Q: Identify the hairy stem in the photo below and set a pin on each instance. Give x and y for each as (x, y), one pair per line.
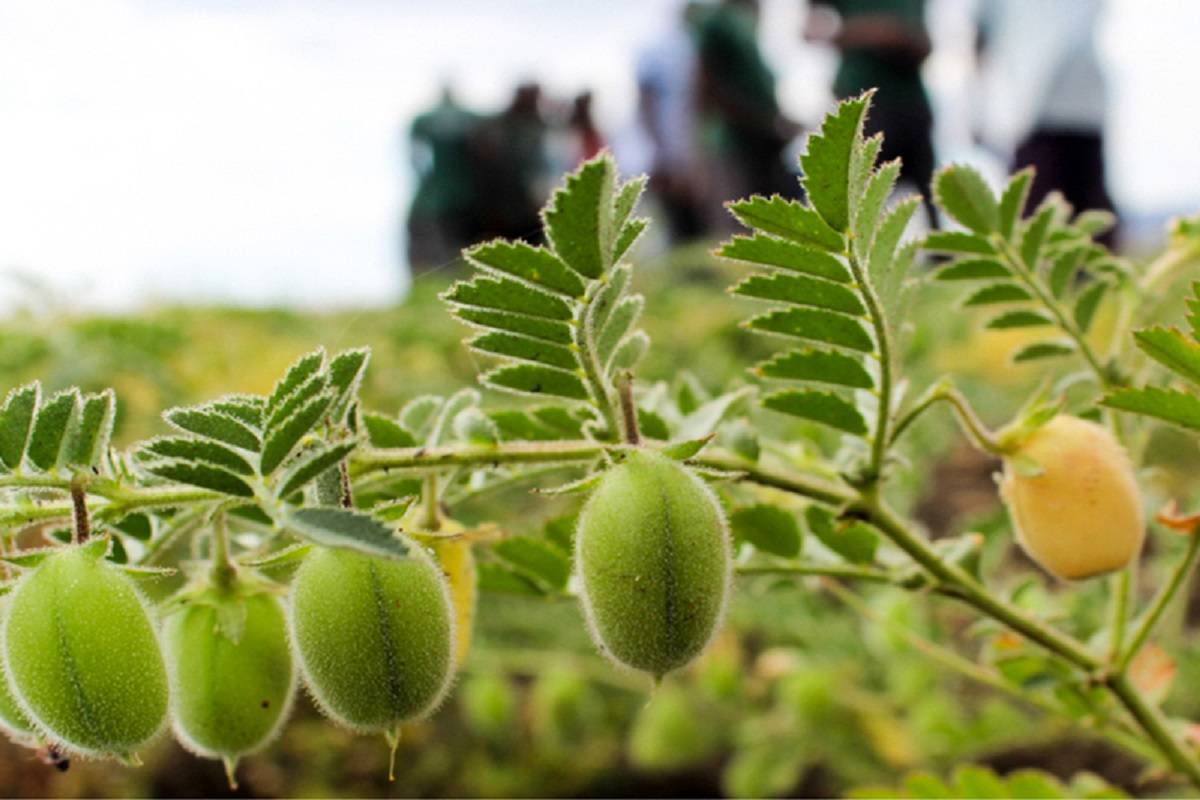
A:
(1161, 602)
(968, 420)
(628, 410)
(1016, 264)
(82, 528)
(223, 569)
(1151, 720)
(881, 438)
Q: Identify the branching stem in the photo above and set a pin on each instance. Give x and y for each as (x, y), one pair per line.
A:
(1161, 602)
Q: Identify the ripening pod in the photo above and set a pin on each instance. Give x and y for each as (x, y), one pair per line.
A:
(652, 550)
(12, 719)
(232, 673)
(375, 636)
(82, 656)
(458, 564)
(1074, 500)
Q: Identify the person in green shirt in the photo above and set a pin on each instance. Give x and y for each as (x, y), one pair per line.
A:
(882, 44)
(742, 125)
(441, 218)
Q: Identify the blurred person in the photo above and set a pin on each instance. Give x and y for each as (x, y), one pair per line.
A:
(512, 166)
(667, 72)
(587, 141)
(1048, 95)
(443, 217)
(744, 130)
(882, 45)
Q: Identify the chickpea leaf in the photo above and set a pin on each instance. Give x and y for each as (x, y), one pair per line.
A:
(559, 317)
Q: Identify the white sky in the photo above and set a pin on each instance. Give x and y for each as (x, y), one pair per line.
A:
(251, 151)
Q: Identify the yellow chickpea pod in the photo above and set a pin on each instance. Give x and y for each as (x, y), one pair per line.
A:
(1079, 513)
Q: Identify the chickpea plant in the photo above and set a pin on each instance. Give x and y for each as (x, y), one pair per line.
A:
(358, 505)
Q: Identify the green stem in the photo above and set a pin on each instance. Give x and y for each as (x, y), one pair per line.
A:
(1151, 720)
(1119, 586)
(1161, 602)
(990, 678)
(1017, 265)
(18, 481)
(968, 420)
(844, 571)
(592, 370)
(223, 569)
(881, 438)
(969, 590)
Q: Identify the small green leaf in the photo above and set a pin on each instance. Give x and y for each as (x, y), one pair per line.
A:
(682, 451)
(869, 209)
(537, 380)
(1063, 270)
(1088, 303)
(1020, 318)
(973, 269)
(703, 420)
(887, 239)
(420, 414)
(769, 528)
(826, 161)
(386, 432)
(299, 372)
(535, 264)
(629, 352)
(977, 782)
(350, 530)
(203, 475)
(629, 234)
(507, 294)
(346, 371)
(827, 409)
(1168, 405)
(244, 407)
(310, 465)
(627, 197)
(1169, 347)
(188, 449)
(772, 252)
(16, 421)
(1012, 201)
(1039, 350)
(962, 242)
(297, 398)
(800, 290)
(1033, 784)
(284, 557)
(963, 194)
(997, 293)
(579, 216)
(853, 541)
(501, 579)
(1095, 221)
(280, 442)
(815, 325)
(1034, 235)
(548, 330)
(820, 366)
(51, 427)
(212, 424)
(624, 317)
(535, 559)
(787, 219)
(473, 426)
(89, 439)
(522, 348)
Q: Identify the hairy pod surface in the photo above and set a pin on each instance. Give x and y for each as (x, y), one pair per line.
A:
(83, 659)
(12, 719)
(653, 553)
(232, 687)
(1081, 514)
(457, 561)
(375, 637)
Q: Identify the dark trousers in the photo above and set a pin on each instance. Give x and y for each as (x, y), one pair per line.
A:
(1072, 163)
(907, 135)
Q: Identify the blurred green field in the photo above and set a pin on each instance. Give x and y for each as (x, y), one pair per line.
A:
(801, 696)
